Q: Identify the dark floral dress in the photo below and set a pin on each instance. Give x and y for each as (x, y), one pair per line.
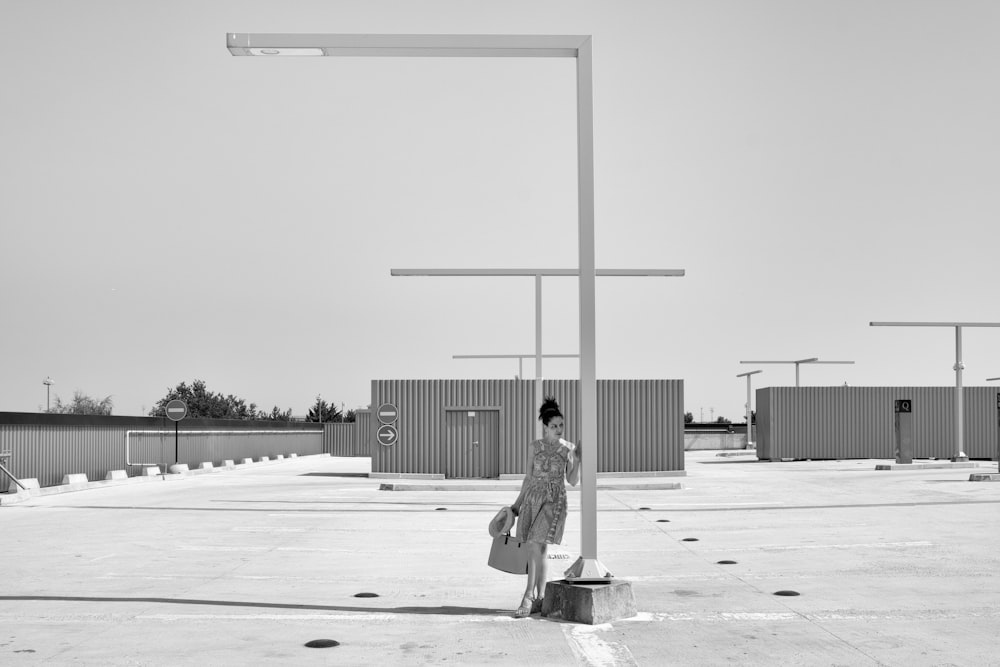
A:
(541, 508)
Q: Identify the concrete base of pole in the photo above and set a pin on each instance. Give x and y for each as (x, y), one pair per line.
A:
(588, 570)
(589, 603)
(962, 456)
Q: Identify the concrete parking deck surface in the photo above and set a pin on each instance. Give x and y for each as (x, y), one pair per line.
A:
(244, 567)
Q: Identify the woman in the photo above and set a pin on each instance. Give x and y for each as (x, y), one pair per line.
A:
(541, 506)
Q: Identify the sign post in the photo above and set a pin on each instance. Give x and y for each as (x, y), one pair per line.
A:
(176, 411)
(903, 426)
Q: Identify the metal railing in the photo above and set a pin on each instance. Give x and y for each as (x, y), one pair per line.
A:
(128, 435)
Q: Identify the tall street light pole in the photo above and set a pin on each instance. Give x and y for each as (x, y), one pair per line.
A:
(798, 362)
(579, 47)
(48, 385)
(749, 411)
(959, 453)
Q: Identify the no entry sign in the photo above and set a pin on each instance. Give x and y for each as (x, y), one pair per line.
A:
(387, 413)
(176, 410)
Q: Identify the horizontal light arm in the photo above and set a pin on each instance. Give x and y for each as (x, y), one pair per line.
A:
(514, 356)
(651, 273)
(504, 46)
(934, 324)
(743, 375)
(796, 361)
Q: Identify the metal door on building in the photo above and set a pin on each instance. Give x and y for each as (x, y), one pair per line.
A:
(472, 443)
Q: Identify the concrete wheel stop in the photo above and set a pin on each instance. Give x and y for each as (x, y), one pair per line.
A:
(591, 602)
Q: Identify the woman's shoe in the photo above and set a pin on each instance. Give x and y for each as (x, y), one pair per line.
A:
(536, 605)
(525, 609)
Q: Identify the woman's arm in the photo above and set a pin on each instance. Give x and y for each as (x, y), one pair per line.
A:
(573, 465)
(524, 484)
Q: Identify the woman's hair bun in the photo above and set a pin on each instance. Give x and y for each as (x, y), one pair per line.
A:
(549, 409)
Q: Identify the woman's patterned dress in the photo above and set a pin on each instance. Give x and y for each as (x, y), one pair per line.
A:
(541, 516)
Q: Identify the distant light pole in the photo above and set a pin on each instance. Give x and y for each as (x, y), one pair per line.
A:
(958, 367)
(811, 360)
(749, 411)
(537, 274)
(48, 384)
(319, 408)
(520, 358)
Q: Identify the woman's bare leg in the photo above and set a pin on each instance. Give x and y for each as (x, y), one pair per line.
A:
(533, 566)
(541, 572)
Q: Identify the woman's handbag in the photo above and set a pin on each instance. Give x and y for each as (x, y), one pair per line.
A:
(508, 554)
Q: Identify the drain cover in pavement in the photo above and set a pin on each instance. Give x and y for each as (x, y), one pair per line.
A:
(663, 521)
(322, 643)
(690, 539)
(440, 509)
(787, 593)
(643, 508)
(726, 562)
(366, 595)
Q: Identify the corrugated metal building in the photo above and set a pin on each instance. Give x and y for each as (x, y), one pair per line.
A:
(858, 422)
(480, 428)
(46, 447)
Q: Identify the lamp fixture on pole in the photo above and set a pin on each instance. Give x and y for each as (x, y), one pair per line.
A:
(798, 362)
(578, 47)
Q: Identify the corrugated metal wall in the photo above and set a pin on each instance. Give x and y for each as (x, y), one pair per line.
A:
(640, 422)
(47, 447)
(338, 438)
(194, 448)
(348, 438)
(857, 422)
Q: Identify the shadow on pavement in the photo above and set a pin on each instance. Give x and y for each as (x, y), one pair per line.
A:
(443, 610)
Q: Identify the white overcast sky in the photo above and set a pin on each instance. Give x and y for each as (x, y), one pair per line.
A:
(170, 212)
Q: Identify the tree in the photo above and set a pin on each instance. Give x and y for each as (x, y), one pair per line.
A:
(203, 403)
(277, 415)
(82, 405)
(321, 411)
(722, 420)
(688, 417)
(329, 412)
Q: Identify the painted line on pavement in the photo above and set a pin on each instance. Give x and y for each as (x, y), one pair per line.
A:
(265, 529)
(724, 504)
(796, 547)
(840, 615)
(589, 649)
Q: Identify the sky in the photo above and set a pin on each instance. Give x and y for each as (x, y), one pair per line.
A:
(169, 212)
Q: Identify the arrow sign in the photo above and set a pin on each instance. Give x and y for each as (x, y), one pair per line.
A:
(387, 435)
